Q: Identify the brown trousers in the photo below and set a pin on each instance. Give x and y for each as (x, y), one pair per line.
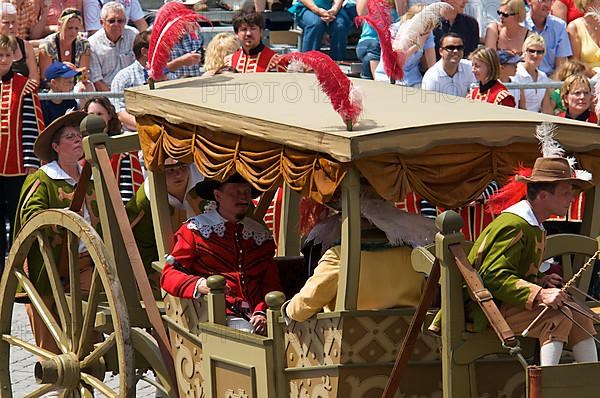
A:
(553, 326)
(43, 337)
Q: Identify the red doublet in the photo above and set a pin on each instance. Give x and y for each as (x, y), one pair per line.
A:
(12, 93)
(137, 176)
(259, 59)
(497, 94)
(242, 252)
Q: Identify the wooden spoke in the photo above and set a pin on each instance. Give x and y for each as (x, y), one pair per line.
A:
(84, 392)
(99, 351)
(38, 392)
(99, 385)
(59, 336)
(58, 291)
(32, 348)
(74, 287)
(90, 315)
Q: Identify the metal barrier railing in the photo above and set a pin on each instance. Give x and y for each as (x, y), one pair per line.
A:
(114, 94)
(85, 95)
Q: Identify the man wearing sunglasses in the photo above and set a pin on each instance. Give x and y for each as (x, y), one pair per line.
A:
(554, 32)
(92, 10)
(112, 46)
(451, 74)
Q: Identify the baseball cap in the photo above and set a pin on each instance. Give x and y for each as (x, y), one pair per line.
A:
(506, 57)
(59, 69)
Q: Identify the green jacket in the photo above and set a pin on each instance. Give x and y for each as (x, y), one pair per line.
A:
(507, 254)
(48, 189)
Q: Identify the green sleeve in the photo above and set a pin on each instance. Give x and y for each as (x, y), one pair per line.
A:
(505, 265)
(34, 201)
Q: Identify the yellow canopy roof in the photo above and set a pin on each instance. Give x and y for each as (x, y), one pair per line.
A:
(274, 126)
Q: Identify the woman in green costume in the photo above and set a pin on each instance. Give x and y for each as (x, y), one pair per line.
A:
(60, 148)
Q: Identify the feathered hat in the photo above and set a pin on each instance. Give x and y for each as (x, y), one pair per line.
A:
(552, 167)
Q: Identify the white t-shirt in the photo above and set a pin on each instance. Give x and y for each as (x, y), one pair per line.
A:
(92, 9)
(533, 96)
(436, 79)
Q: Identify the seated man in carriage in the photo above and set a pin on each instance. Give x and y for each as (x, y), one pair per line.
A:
(184, 203)
(387, 278)
(508, 255)
(226, 242)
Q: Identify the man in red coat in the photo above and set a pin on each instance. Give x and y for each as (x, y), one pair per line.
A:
(254, 56)
(225, 242)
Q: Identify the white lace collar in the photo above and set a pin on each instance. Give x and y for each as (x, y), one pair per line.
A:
(212, 222)
(55, 172)
(523, 209)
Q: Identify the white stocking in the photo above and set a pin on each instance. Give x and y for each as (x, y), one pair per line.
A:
(585, 351)
(550, 353)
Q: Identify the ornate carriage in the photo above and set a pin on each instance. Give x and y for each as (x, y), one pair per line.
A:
(278, 131)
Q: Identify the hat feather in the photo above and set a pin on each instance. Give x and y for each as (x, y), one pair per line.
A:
(545, 133)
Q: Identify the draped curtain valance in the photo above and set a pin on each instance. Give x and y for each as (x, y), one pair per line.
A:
(219, 155)
(448, 176)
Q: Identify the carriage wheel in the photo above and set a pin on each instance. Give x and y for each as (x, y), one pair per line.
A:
(79, 369)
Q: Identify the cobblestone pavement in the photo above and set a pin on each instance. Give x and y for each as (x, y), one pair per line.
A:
(21, 362)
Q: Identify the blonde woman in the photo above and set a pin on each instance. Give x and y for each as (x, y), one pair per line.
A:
(576, 93)
(509, 34)
(567, 69)
(585, 37)
(538, 99)
(220, 46)
(65, 45)
(486, 68)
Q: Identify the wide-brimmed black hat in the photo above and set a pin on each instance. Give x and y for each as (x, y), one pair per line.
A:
(205, 189)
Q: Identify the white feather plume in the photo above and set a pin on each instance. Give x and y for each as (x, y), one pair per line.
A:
(583, 175)
(545, 133)
(411, 31)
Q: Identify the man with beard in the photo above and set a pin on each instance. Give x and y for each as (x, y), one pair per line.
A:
(451, 74)
(254, 56)
(226, 242)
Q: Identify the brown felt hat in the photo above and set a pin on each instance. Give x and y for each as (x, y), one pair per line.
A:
(554, 170)
(43, 144)
(205, 189)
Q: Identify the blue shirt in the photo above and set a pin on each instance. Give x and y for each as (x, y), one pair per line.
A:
(556, 40)
(412, 74)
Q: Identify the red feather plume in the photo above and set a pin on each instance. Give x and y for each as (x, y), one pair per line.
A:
(511, 193)
(311, 213)
(344, 97)
(173, 21)
(380, 18)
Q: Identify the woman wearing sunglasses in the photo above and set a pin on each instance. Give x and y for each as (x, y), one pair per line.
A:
(538, 99)
(65, 45)
(509, 34)
(584, 35)
(486, 68)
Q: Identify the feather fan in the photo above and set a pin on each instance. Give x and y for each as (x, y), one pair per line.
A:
(421, 24)
(173, 21)
(510, 194)
(380, 19)
(344, 96)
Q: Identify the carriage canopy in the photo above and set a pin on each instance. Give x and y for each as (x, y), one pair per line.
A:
(275, 127)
